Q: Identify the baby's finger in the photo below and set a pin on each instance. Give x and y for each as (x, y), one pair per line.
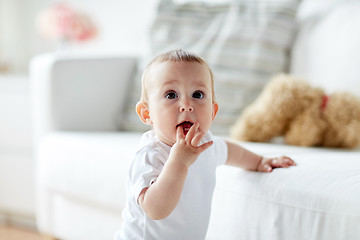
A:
(277, 162)
(205, 146)
(281, 162)
(265, 168)
(285, 161)
(196, 140)
(193, 129)
(179, 133)
(289, 161)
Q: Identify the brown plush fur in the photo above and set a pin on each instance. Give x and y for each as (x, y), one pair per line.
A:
(292, 108)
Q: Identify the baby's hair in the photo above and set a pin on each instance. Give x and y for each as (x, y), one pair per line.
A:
(177, 55)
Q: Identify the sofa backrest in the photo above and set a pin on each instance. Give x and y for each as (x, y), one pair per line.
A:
(79, 93)
(327, 50)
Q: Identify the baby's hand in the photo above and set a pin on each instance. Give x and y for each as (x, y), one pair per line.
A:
(186, 148)
(268, 164)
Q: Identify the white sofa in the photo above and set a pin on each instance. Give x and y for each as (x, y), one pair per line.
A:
(82, 156)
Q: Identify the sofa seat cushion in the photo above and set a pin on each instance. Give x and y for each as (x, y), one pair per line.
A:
(87, 166)
(317, 199)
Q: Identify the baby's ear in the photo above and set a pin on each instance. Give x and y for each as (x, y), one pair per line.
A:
(143, 112)
(215, 110)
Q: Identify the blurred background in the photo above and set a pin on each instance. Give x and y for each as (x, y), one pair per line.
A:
(245, 42)
(120, 28)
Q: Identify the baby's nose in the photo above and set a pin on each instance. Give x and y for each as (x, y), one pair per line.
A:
(185, 105)
(187, 108)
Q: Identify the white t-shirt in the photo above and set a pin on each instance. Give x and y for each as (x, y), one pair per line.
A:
(190, 219)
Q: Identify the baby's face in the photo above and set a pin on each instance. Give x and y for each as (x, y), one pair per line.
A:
(179, 95)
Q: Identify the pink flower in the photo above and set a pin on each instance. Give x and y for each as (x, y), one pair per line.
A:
(61, 22)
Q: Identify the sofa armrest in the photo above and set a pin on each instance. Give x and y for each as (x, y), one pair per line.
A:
(79, 93)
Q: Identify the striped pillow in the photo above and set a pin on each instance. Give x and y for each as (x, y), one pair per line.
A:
(245, 42)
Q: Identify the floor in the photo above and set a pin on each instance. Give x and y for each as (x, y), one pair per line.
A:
(16, 233)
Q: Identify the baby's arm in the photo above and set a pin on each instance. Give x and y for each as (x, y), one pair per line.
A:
(160, 199)
(240, 157)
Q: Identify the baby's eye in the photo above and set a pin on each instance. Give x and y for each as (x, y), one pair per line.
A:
(198, 94)
(171, 95)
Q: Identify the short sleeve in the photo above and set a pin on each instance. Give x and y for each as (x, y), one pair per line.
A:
(220, 150)
(145, 169)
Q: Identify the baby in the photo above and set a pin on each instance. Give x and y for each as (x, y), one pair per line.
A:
(172, 177)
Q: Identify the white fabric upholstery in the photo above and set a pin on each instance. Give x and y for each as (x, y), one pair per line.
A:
(80, 87)
(318, 199)
(81, 182)
(82, 177)
(88, 162)
(72, 95)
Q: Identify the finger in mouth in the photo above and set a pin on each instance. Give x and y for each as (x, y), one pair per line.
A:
(186, 125)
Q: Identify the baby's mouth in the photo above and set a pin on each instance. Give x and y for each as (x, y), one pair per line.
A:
(186, 125)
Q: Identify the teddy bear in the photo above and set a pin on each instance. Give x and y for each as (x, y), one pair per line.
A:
(302, 114)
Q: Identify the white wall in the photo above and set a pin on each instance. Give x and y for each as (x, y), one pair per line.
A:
(17, 175)
(122, 27)
(12, 35)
